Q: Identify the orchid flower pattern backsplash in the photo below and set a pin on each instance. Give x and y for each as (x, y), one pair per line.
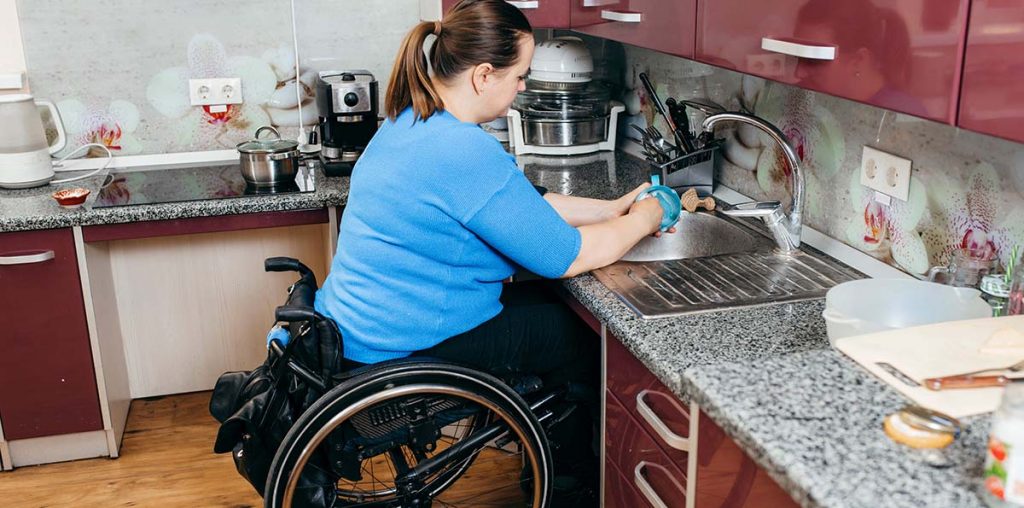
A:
(966, 191)
(125, 83)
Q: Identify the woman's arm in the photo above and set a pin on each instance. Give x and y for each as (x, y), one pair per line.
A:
(579, 211)
(606, 242)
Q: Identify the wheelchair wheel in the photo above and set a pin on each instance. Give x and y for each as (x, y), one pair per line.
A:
(414, 434)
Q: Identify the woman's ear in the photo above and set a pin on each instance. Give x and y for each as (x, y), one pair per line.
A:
(483, 77)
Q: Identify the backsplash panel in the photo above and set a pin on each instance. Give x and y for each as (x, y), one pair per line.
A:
(124, 83)
(967, 190)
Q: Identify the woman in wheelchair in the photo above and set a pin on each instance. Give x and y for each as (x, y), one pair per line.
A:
(414, 376)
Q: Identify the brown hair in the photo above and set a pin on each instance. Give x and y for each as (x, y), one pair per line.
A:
(473, 32)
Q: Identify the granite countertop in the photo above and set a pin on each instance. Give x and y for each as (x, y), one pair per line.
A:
(813, 420)
(808, 415)
(28, 209)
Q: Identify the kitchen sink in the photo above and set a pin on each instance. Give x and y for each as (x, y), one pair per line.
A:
(713, 263)
(697, 235)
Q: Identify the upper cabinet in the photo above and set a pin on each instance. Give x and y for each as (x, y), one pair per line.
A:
(903, 56)
(653, 24)
(992, 100)
(541, 13)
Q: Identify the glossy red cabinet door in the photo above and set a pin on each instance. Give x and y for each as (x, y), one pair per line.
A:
(896, 55)
(640, 460)
(653, 405)
(541, 13)
(665, 26)
(992, 99)
(47, 382)
(728, 478)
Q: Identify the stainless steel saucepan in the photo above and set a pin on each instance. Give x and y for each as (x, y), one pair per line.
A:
(269, 162)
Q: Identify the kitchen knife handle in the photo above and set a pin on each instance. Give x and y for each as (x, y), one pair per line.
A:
(961, 382)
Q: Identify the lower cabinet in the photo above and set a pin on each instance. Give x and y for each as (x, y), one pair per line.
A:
(47, 381)
(660, 452)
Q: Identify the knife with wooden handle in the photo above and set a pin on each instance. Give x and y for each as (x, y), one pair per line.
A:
(962, 382)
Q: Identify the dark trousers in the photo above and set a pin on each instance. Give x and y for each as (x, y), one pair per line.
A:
(537, 334)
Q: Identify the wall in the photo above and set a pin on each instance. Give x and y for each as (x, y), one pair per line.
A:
(119, 70)
(12, 58)
(967, 190)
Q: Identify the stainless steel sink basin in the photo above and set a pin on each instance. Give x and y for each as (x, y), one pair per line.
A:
(713, 263)
(697, 235)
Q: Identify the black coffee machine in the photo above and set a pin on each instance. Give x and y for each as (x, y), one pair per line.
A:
(346, 102)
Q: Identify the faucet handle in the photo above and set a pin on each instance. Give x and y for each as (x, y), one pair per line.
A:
(753, 209)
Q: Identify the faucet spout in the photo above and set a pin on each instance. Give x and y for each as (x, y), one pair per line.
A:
(790, 241)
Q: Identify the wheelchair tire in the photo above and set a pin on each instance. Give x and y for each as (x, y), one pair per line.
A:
(498, 409)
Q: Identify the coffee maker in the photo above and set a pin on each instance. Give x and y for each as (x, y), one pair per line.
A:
(346, 102)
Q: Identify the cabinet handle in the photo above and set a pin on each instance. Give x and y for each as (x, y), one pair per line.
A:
(644, 487)
(670, 438)
(797, 49)
(599, 3)
(27, 259)
(535, 4)
(622, 16)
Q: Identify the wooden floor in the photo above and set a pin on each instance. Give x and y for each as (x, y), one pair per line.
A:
(166, 460)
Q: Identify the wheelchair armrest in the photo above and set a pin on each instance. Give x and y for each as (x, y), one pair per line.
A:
(293, 313)
(286, 264)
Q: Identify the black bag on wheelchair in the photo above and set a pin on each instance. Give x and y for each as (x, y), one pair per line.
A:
(257, 408)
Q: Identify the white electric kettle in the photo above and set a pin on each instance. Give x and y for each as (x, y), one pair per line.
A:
(24, 151)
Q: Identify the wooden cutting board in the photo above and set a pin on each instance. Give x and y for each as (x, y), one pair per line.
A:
(941, 349)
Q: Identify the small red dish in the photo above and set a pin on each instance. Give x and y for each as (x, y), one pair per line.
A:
(71, 198)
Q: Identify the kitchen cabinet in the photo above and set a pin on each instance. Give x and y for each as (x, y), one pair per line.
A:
(654, 24)
(541, 13)
(893, 55)
(991, 100)
(47, 380)
(662, 452)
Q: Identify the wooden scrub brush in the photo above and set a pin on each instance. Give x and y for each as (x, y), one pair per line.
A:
(691, 201)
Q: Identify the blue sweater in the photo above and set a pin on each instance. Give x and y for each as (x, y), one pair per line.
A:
(438, 215)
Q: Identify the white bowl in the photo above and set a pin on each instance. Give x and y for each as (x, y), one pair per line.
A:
(876, 305)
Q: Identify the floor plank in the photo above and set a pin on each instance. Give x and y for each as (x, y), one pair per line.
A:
(166, 459)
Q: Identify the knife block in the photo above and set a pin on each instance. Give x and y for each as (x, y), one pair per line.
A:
(696, 170)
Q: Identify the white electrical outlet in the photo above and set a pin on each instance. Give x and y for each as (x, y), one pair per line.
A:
(215, 91)
(886, 173)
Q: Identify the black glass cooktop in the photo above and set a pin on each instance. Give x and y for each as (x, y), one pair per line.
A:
(193, 183)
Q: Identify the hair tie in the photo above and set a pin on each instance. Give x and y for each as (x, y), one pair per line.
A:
(437, 28)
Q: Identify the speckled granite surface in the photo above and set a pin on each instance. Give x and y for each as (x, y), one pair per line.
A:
(35, 209)
(765, 374)
(813, 420)
(603, 175)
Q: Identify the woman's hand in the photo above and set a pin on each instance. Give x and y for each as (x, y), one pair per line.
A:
(651, 212)
(658, 209)
(621, 206)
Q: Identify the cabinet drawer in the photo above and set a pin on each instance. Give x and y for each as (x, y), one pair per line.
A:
(640, 460)
(541, 13)
(653, 24)
(618, 489)
(991, 100)
(47, 382)
(894, 55)
(652, 404)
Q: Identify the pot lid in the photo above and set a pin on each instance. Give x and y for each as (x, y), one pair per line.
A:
(268, 145)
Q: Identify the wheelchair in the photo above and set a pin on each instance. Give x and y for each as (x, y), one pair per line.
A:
(309, 429)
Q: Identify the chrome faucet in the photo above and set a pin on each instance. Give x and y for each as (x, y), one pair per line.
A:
(785, 230)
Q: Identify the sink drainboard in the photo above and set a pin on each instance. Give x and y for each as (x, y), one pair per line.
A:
(683, 286)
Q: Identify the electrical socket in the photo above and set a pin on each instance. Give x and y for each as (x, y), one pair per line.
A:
(886, 173)
(215, 91)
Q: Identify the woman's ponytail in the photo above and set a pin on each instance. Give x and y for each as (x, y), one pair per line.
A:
(473, 32)
(410, 79)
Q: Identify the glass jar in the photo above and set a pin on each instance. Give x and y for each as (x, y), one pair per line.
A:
(1003, 482)
(1015, 302)
(995, 289)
